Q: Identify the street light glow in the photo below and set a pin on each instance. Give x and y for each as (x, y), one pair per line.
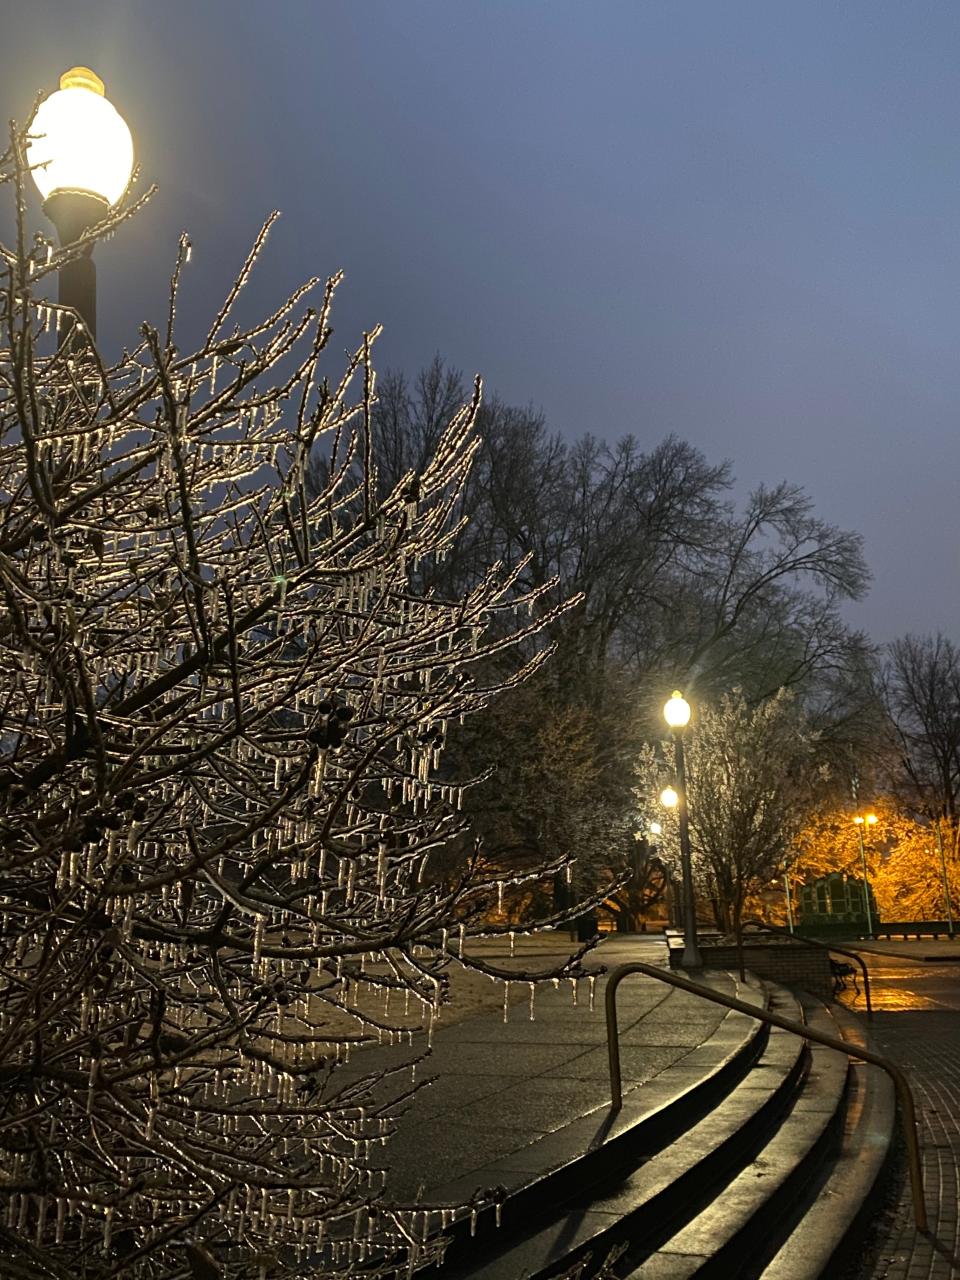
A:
(656, 829)
(676, 710)
(81, 140)
(669, 798)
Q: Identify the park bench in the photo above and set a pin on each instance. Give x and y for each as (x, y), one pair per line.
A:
(842, 973)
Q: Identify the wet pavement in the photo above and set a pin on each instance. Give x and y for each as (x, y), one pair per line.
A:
(501, 1088)
(917, 1023)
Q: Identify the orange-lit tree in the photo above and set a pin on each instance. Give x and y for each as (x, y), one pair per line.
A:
(828, 840)
(913, 882)
(901, 853)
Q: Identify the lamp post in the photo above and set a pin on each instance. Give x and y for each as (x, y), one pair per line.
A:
(865, 820)
(946, 882)
(676, 712)
(786, 891)
(81, 154)
(669, 799)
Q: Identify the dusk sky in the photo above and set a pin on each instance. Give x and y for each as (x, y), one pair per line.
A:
(735, 222)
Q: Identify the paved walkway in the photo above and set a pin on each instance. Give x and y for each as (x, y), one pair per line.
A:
(922, 950)
(511, 1100)
(917, 1022)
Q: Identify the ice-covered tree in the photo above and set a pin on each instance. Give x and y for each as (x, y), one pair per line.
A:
(230, 850)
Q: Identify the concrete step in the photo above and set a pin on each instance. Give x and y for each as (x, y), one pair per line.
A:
(734, 1236)
(849, 1190)
(664, 1184)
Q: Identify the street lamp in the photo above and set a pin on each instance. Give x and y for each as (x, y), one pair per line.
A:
(865, 820)
(946, 882)
(786, 893)
(81, 157)
(676, 712)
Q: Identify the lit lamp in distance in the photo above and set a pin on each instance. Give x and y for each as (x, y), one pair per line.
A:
(864, 820)
(81, 157)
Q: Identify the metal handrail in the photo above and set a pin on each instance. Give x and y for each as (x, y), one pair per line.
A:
(824, 946)
(908, 1111)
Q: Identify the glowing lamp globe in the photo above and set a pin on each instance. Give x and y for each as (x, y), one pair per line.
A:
(656, 829)
(81, 141)
(676, 711)
(669, 798)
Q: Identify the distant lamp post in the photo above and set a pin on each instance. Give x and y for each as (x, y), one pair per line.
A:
(676, 712)
(865, 820)
(655, 829)
(786, 892)
(946, 882)
(81, 156)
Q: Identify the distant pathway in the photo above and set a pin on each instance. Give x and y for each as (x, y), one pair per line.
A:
(918, 1024)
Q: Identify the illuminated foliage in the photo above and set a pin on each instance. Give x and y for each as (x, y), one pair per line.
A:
(901, 853)
(909, 882)
(828, 839)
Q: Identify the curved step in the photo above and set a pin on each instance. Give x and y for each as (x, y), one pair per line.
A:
(659, 1192)
(734, 1235)
(847, 1194)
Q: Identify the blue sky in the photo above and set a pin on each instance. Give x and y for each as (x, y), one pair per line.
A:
(737, 222)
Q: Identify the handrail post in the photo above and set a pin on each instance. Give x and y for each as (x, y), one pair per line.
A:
(613, 1036)
(908, 1113)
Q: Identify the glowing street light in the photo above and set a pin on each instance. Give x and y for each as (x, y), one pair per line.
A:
(676, 713)
(81, 155)
(863, 820)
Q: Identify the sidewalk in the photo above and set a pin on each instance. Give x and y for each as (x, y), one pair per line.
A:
(918, 950)
(510, 1101)
(917, 1007)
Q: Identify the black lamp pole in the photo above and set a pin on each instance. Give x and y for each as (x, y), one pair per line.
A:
(691, 958)
(73, 213)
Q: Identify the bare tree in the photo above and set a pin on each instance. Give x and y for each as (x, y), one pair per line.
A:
(921, 685)
(675, 587)
(224, 817)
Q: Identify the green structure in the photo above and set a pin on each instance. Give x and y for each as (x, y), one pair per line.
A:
(836, 899)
